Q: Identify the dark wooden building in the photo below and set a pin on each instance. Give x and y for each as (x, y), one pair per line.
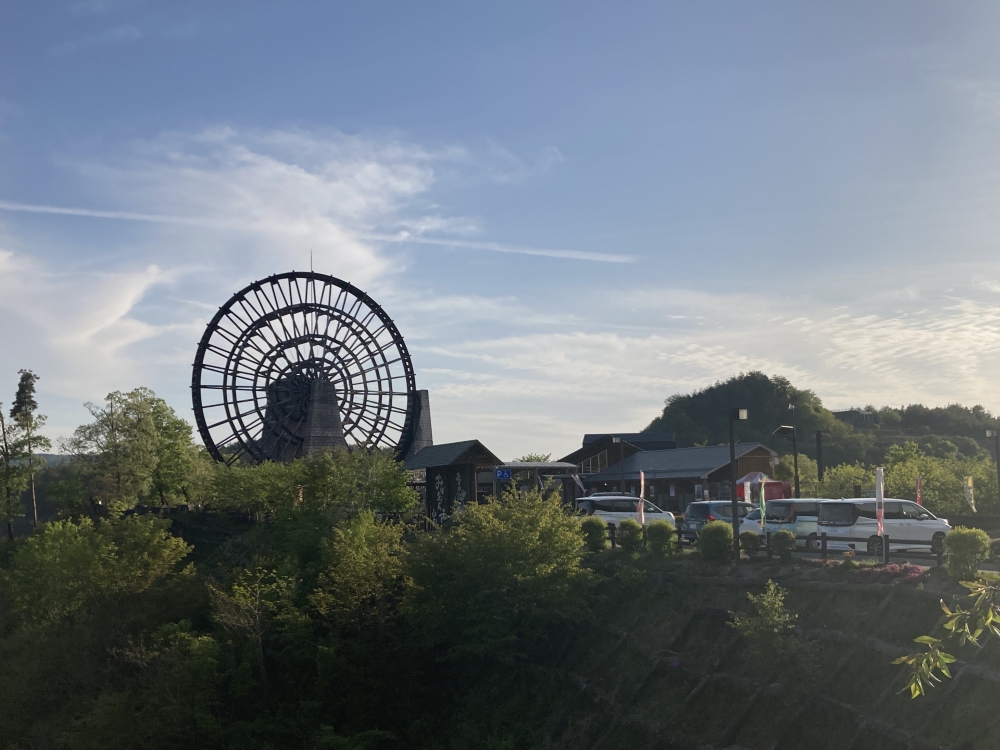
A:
(599, 451)
(680, 476)
(452, 474)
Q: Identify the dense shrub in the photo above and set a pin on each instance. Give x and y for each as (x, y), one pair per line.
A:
(995, 551)
(630, 535)
(661, 539)
(715, 541)
(595, 533)
(750, 542)
(783, 544)
(965, 549)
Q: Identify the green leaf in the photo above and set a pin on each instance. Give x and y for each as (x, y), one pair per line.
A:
(926, 639)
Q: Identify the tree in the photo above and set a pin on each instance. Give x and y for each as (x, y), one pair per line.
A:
(23, 413)
(13, 469)
(535, 457)
(499, 567)
(135, 448)
(364, 572)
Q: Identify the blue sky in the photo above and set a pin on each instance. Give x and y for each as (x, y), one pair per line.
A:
(571, 210)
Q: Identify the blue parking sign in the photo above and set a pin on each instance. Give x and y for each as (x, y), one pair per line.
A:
(501, 474)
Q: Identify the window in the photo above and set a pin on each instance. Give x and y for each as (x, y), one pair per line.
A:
(624, 506)
(595, 464)
(779, 512)
(723, 510)
(648, 507)
(893, 511)
(807, 509)
(696, 510)
(912, 511)
(837, 514)
(866, 510)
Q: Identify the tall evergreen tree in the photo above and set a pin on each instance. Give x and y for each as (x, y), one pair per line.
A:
(23, 412)
(12, 469)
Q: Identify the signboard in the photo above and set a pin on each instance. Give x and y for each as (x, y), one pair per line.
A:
(501, 473)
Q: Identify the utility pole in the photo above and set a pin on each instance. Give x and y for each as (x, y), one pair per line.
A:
(995, 434)
(819, 455)
(740, 414)
(621, 461)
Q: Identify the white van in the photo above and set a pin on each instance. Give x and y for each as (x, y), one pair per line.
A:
(797, 516)
(913, 525)
(615, 508)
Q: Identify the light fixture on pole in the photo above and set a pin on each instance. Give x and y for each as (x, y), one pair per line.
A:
(995, 434)
(621, 460)
(789, 429)
(741, 415)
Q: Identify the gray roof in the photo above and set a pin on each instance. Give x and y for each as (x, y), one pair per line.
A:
(636, 438)
(675, 463)
(443, 455)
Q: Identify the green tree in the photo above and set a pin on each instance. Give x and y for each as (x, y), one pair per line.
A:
(499, 567)
(255, 601)
(13, 469)
(70, 567)
(364, 573)
(535, 457)
(23, 412)
(118, 450)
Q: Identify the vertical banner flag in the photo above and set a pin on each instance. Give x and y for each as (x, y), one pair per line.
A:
(969, 496)
(640, 511)
(880, 500)
(763, 501)
(746, 493)
(920, 490)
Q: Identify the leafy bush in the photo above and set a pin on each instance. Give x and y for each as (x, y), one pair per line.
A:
(965, 549)
(595, 533)
(498, 573)
(888, 573)
(750, 542)
(630, 577)
(630, 535)
(995, 551)
(715, 541)
(661, 539)
(783, 544)
(772, 649)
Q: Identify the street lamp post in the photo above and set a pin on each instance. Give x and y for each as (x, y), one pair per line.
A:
(789, 429)
(995, 434)
(621, 460)
(740, 414)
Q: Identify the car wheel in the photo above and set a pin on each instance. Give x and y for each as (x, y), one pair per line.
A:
(875, 545)
(937, 543)
(812, 543)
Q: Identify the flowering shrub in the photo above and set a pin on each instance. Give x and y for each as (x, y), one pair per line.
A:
(888, 573)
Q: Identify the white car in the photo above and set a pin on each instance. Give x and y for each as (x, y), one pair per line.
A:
(751, 522)
(854, 520)
(615, 508)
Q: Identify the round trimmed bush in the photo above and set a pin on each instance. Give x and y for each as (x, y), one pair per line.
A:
(995, 551)
(595, 533)
(750, 542)
(630, 535)
(964, 549)
(661, 538)
(715, 541)
(783, 544)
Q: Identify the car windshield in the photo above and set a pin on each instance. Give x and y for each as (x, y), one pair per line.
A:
(754, 515)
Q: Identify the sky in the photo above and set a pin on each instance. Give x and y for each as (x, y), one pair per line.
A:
(570, 210)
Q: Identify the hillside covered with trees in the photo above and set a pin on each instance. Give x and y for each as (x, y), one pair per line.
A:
(943, 445)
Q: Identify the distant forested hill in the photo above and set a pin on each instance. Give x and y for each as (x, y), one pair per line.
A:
(702, 418)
